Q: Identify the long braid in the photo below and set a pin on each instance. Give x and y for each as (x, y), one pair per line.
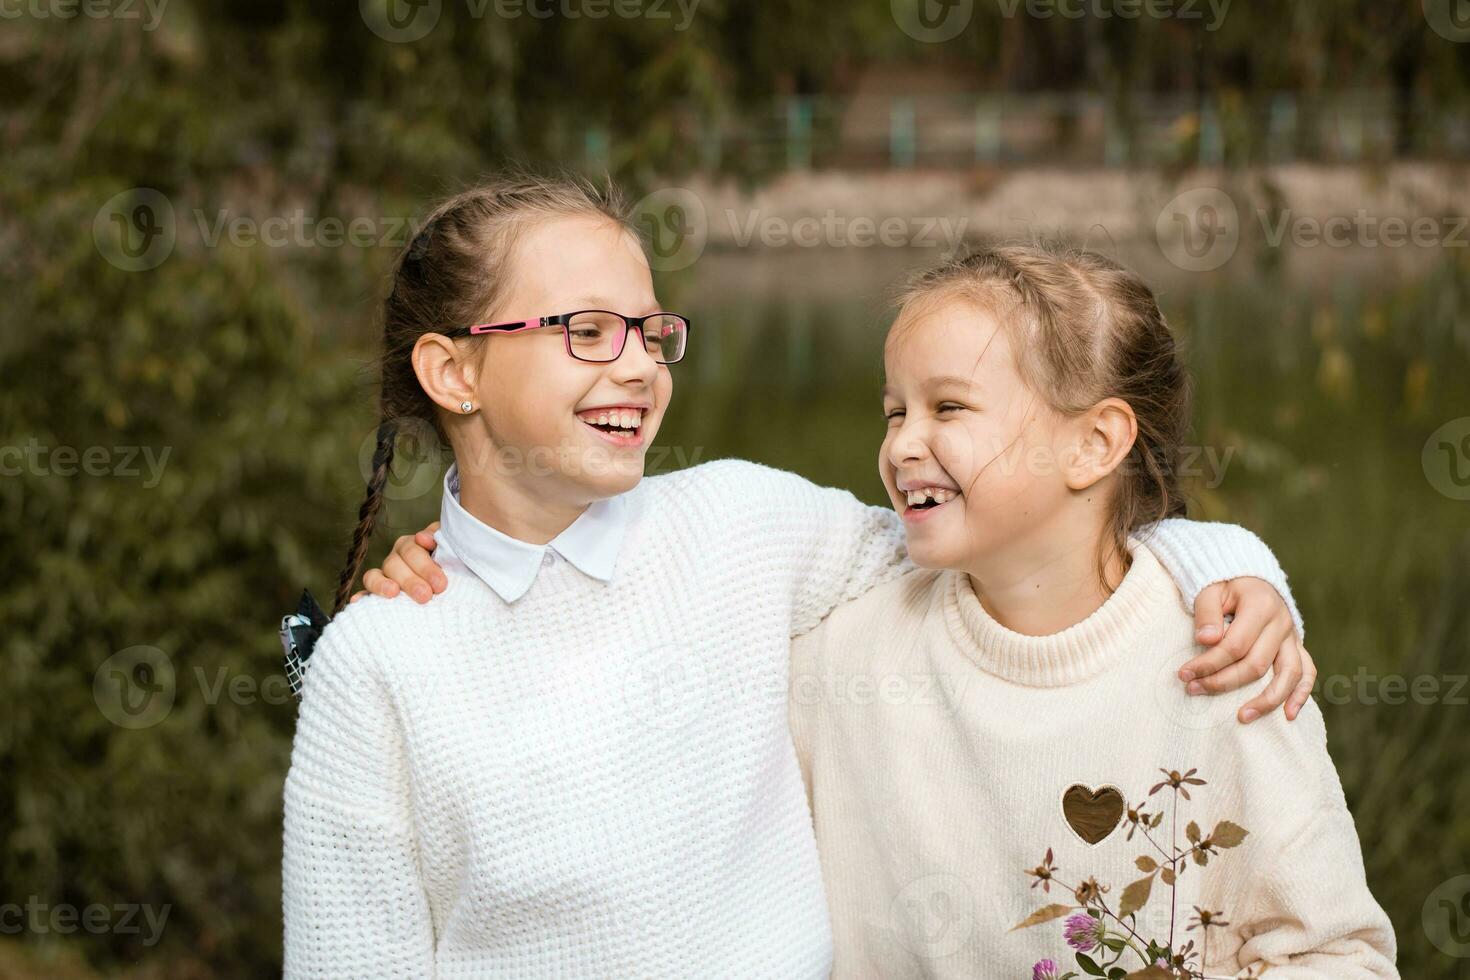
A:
(367, 515)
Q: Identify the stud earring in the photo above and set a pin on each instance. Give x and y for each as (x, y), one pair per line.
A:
(466, 407)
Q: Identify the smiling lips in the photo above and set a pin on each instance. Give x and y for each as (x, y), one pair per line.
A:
(620, 425)
(923, 499)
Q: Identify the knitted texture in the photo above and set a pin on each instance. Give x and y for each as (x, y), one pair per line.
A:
(945, 754)
(596, 780)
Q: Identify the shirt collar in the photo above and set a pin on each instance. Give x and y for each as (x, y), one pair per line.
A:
(509, 565)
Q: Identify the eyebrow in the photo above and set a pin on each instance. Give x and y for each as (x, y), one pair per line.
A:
(938, 381)
(603, 303)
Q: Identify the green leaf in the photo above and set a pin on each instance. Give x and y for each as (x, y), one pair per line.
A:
(1089, 965)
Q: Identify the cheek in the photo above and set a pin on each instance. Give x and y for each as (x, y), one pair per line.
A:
(663, 393)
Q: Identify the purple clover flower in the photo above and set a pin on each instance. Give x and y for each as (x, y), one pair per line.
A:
(1044, 970)
(1083, 933)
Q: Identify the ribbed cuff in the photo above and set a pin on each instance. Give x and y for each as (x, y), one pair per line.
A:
(1200, 553)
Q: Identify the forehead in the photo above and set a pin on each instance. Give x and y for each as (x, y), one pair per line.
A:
(580, 259)
(947, 342)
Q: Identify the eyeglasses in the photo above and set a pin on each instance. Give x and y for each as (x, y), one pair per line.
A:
(600, 335)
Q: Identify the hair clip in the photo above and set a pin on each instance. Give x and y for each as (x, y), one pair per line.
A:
(299, 632)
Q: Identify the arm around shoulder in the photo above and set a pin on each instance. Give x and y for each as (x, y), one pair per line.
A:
(831, 545)
(1200, 553)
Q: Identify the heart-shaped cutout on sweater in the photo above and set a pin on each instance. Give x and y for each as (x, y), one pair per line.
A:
(1093, 814)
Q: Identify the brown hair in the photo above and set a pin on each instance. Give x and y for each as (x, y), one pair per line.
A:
(1087, 329)
(452, 274)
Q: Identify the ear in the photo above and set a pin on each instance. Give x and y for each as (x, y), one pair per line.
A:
(445, 371)
(1106, 433)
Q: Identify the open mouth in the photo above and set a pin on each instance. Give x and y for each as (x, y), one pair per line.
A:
(927, 499)
(621, 425)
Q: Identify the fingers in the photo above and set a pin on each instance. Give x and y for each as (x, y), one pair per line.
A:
(413, 570)
(1216, 658)
(1286, 674)
(377, 583)
(355, 596)
(1250, 664)
(1209, 615)
(1303, 691)
(425, 538)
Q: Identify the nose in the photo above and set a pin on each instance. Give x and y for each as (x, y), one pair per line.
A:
(634, 364)
(907, 444)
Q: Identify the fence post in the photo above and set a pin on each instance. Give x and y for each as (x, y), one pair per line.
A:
(1211, 140)
(799, 132)
(711, 146)
(1281, 130)
(901, 136)
(987, 130)
(1115, 141)
(595, 147)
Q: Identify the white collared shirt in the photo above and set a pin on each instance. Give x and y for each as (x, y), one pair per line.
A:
(509, 565)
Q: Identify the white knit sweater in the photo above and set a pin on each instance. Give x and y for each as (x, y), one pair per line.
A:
(939, 748)
(597, 780)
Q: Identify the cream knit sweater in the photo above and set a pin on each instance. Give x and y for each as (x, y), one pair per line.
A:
(597, 780)
(938, 747)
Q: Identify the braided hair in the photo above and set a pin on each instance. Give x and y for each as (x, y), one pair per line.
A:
(453, 273)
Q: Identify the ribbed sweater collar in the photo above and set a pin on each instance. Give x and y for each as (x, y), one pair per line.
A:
(1077, 653)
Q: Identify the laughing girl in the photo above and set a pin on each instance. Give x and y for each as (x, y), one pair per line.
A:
(1034, 405)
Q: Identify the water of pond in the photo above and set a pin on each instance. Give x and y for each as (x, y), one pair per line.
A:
(1319, 380)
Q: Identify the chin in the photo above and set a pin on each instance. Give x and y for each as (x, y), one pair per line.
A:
(621, 473)
(927, 551)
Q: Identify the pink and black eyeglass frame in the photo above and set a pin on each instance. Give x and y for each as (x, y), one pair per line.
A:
(672, 339)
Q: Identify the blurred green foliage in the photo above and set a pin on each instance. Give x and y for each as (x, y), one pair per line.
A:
(248, 367)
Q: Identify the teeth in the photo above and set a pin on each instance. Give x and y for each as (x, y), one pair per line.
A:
(937, 494)
(622, 418)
